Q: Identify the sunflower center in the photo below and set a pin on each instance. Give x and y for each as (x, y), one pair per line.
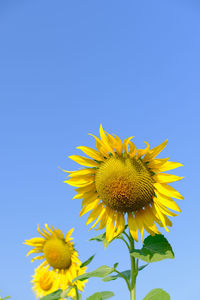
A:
(57, 253)
(124, 184)
(45, 283)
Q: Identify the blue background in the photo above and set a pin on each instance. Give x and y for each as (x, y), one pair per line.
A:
(67, 66)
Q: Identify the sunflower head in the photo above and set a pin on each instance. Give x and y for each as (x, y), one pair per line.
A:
(61, 263)
(119, 180)
(57, 253)
(57, 250)
(44, 281)
(124, 184)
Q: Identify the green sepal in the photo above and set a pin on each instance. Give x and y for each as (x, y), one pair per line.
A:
(87, 262)
(102, 271)
(53, 296)
(155, 248)
(157, 294)
(101, 238)
(126, 274)
(142, 267)
(101, 296)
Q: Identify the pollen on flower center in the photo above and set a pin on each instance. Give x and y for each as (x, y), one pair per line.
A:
(124, 184)
(57, 253)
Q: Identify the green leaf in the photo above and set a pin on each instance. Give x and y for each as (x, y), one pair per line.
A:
(53, 296)
(157, 294)
(102, 271)
(126, 274)
(142, 267)
(155, 248)
(88, 261)
(101, 238)
(101, 296)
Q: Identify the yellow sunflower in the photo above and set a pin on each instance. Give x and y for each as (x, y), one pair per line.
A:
(58, 253)
(122, 180)
(44, 281)
(64, 283)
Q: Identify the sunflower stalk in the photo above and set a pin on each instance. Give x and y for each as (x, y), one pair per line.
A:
(134, 265)
(77, 294)
(134, 270)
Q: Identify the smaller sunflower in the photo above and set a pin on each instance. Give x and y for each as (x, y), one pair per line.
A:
(44, 281)
(58, 253)
(64, 283)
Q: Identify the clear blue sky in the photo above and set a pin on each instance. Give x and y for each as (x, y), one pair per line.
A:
(67, 66)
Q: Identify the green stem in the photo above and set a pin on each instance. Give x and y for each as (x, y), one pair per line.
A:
(134, 271)
(127, 282)
(133, 279)
(124, 242)
(129, 238)
(77, 294)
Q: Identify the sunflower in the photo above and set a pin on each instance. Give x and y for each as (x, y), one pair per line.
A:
(64, 283)
(58, 253)
(120, 180)
(44, 281)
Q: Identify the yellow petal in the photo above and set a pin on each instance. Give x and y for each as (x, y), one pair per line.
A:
(161, 216)
(126, 144)
(69, 234)
(100, 146)
(168, 190)
(84, 161)
(139, 222)
(164, 200)
(132, 226)
(116, 143)
(167, 221)
(120, 223)
(34, 241)
(44, 234)
(132, 150)
(88, 200)
(105, 140)
(99, 217)
(95, 213)
(149, 221)
(86, 188)
(170, 165)
(78, 196)
(155, 151)
(110, 224)
(33, 251)
(103, 220)
(163, 209)
(82, 172)
(92, 153)
(49, 229)
(88, 207)
(157, 163)
(142, 152)
(166, 178)
(80, 182)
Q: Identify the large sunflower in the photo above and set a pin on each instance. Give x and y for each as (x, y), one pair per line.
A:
(122, 180)
(58, 253)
